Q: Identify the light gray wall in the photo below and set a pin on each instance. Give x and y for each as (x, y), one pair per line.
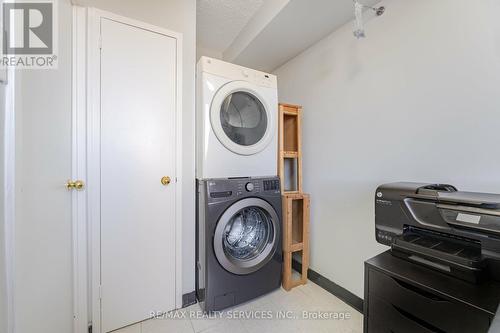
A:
(417, 100)
(180, 16)
(202, 51)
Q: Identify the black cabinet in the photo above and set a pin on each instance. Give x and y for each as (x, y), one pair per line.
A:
(402, 297)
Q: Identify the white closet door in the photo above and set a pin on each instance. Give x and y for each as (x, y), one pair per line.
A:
(138, 101)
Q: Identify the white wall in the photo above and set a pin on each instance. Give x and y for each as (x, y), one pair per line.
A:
(417, 100)
(180, 16)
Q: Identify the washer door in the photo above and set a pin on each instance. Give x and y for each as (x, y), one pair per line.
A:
(246, 236)
(241, 118)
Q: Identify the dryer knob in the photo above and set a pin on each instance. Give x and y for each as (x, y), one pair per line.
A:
(249, 187)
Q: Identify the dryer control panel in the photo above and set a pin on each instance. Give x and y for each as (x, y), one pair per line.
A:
(235, 72)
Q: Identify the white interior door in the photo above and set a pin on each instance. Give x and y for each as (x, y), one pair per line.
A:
(39, 207)
(138, 103)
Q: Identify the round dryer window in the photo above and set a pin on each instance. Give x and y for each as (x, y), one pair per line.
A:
(241, 119)
(246, 236)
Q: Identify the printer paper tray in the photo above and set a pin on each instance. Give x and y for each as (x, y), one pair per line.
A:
(449, 256)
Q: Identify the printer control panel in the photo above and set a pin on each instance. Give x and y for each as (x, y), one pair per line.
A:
(384, 237)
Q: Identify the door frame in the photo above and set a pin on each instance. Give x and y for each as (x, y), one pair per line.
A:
(8, 159)
(9, 192)
(86, 161)
(81, 287)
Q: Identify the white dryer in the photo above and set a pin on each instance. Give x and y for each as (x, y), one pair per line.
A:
(237, 126)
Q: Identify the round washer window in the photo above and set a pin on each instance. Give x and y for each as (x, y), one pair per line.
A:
(247, 233)
(243, 118)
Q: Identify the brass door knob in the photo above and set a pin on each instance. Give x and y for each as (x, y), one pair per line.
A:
(165, 180)
(75, 185)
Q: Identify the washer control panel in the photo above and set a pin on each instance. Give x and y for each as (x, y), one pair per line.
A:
(249, 187)
(235, 187)
(271, 185)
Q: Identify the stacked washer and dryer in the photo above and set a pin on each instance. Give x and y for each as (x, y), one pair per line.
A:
(238, 244)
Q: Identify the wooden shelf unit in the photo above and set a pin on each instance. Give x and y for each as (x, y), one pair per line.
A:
(295, 237)
(290, 148)
(295, 203)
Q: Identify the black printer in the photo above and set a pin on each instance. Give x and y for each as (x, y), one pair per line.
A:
(455, 232)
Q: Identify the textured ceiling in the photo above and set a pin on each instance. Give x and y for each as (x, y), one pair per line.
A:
(220, 21)
(282, 39)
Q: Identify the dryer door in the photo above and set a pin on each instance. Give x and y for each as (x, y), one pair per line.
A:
(241, 118)
(246, 236)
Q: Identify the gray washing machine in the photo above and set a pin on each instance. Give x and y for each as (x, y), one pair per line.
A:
(238, 245)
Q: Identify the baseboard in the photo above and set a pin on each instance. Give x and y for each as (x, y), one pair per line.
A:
(330, 286)
(188, 299)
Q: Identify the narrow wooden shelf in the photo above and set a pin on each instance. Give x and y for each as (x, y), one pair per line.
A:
(295, 203)
(290, 154)
(290, 148)
(295, 236)
(296, 247)
(289, 109)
